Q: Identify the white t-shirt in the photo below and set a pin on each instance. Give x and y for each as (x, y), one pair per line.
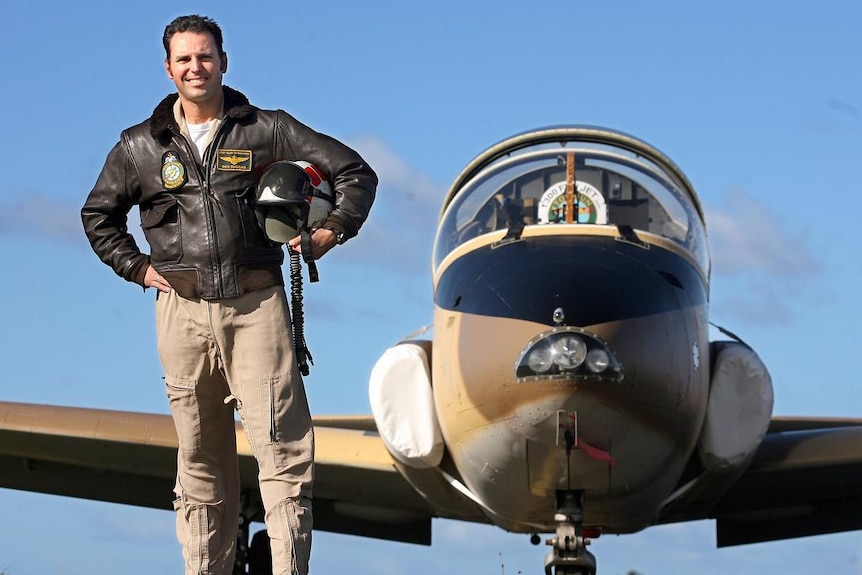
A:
(200, 136)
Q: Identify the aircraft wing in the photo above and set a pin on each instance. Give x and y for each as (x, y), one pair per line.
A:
(126, 457)
(805, 479)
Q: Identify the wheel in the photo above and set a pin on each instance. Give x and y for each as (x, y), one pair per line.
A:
(535, 539)
(259, 554)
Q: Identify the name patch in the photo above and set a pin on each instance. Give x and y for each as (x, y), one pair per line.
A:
(234, 160)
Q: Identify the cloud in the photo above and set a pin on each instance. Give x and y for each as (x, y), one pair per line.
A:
(37, 215)
(841, 120)
(399, 233)
(756, 302)
(746, 238)
(416, 188)
(843, 107)
(754, 253)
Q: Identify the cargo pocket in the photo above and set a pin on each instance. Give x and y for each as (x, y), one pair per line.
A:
(290, 435)
(186, 411)
(163, 230)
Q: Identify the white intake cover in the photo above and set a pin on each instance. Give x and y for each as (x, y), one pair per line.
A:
(403, 406)
(739, 408)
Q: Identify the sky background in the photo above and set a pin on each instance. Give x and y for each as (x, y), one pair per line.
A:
(760, 104)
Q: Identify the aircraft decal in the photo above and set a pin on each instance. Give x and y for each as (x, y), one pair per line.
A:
(592, 208)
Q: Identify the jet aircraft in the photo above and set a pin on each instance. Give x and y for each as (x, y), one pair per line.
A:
(568, 387)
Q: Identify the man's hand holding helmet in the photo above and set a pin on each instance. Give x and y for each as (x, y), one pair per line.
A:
(322, 240)
(291, 196)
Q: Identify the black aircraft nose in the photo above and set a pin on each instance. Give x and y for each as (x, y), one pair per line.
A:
(593, 279)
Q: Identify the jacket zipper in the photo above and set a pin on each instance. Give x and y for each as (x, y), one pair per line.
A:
(209, 198)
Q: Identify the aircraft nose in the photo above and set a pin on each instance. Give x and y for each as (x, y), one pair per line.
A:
(572, 280)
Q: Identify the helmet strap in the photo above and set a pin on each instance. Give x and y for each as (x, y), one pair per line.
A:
(305, 243)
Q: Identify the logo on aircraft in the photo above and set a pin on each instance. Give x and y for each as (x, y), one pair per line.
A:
(589, 204)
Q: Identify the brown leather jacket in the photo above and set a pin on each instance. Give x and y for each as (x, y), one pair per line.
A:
(199, 220)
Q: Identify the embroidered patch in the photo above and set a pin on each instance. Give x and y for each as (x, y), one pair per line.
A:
(173, 171)
(234, 160)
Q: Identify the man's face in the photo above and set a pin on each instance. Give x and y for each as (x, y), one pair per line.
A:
(196, 67)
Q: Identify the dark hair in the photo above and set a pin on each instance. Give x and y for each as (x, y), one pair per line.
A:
(192, 23)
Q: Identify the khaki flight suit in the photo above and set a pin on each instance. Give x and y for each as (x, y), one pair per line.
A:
(236, 353)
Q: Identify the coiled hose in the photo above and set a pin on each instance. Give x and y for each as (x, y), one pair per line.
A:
(303, 355)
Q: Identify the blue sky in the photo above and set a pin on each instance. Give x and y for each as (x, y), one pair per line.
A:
(759, 103)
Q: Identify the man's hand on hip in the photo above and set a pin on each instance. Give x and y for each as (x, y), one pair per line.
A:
(154, 279)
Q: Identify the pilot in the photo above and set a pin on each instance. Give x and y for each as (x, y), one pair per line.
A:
(222, 318)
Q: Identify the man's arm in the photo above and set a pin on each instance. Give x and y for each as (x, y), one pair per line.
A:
(352, 179)
(105, 217)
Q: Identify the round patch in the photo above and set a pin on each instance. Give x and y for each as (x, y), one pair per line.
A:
(173, 171)
(589, 203)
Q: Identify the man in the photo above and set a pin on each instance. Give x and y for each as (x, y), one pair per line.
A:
(222, 318)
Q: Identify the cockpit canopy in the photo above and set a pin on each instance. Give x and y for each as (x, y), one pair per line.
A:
(618, 180)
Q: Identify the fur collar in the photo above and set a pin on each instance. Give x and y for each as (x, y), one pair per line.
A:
(236, 106)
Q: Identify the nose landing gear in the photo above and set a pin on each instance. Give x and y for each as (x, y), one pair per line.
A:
(569, 555)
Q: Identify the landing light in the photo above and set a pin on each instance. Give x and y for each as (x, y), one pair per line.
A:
(567, 353)
(540, 359)
(598, 360)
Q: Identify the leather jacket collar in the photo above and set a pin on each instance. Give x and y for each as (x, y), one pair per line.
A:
(236, 106)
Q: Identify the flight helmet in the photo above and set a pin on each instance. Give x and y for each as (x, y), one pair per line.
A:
(291, 196)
